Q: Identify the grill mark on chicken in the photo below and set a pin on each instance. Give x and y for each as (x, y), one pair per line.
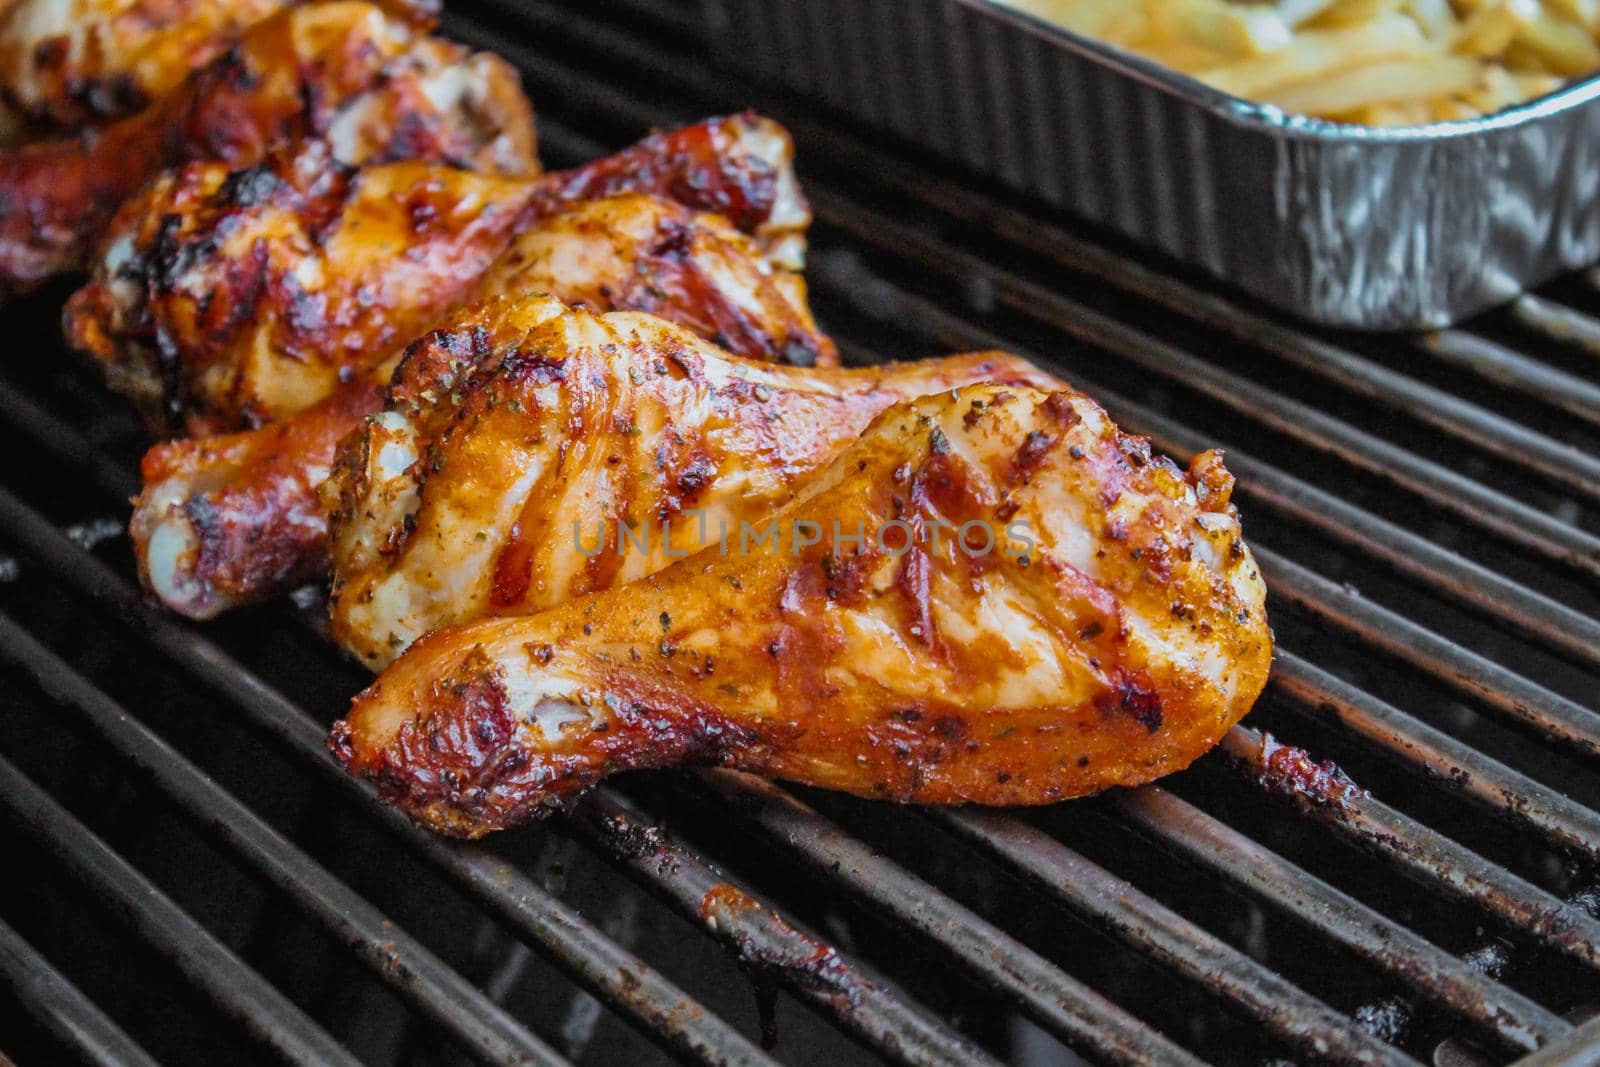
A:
(265, 529)
(670, 274)
(469, 751)
(700, 166)
(66, 64)
(357, 261)
(640, 421)
(440, 364)
(58, 197)
(1054, 677)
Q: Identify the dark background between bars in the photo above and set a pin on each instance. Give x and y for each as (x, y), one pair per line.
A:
(190, 880)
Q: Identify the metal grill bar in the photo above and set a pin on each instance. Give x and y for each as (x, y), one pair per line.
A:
(1557, 463)
(1501, 366)
(1447, 763)
(63, 441)
(73, 1018)
(1433, 973)
(1470, 501)
(763, 941)
(1121, 910)
(1434, 860)
(1576, 1049)
(897, 1031)
(1486, 682)
(1423, 967)
(654, 1004)
(1056, 1001)
(1482, 680)
(1558, 322)
(620, 978)
(413, 972)
(236, 989)
(1531, 615)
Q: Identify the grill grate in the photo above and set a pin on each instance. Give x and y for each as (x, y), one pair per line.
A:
(1427, 512)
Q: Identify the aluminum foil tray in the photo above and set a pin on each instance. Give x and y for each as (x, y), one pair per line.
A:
(1379, 229)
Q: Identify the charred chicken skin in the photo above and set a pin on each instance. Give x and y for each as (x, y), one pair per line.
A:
(1111, 634)
(235, 299)
(225, 300)
(518, 444)
(373, 85)
(71, 63)
(234, 519)
(65, 64)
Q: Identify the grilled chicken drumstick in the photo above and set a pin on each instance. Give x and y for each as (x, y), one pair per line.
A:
(225, 300)
(65, 64)
(1116, 646)
(517, 443)
(373, 85)
(235, 519)
(71, 63)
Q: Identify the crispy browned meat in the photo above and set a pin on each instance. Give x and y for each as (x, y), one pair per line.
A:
(641, 252)
(65, 64)
(240, 510)
(1111, 634)
(235, 299)
(525, 429)
(230, 520)
(374, 86)
(740, 167)
(70, 63)
(224, 301)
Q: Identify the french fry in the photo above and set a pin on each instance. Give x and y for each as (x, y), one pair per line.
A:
(1183, 56)
(1229, 29)
(1562, 47)
(1489, 30)
(1435, 18)
(1317, 54)
(1295, 12)
(1352, 13)
(1440, 109)
(1533, 85)
(1113, 21)
(1585, 13)
(1499, 90)
(1378, 83)
(1373, 62)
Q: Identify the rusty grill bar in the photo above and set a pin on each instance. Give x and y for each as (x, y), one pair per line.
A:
(1427, 512)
